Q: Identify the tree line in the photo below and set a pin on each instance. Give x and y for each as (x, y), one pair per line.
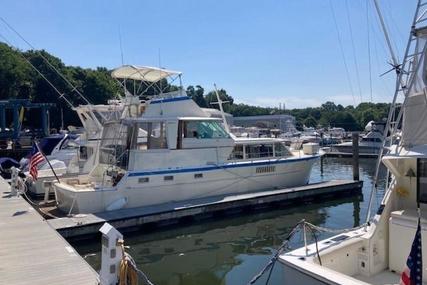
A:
(18, 80)
(327, 115)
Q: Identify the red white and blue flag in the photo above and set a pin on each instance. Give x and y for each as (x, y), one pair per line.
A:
(413, 272)
(36, 158)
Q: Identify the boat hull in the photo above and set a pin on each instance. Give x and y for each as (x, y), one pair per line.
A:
(149, 188)
(291, 275)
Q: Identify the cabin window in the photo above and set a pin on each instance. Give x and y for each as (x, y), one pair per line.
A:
(204, 130)
(143, 180)
(198, 175)
(85, 152)
(259, 150)
(168, 178)
(281, 150)
(237, 152)
(156, 132)
(113, 148)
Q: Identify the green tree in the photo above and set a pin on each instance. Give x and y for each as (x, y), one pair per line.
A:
(310, 122)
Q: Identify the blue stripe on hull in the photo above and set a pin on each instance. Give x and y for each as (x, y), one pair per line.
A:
(215, 167)
(170, 100)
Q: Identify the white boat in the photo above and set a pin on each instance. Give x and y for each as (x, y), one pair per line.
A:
(73, 154)
(368, 143)
(187, 155)
(377, 252)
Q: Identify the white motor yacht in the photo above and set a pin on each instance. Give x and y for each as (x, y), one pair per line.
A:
(369, 143)
(186, 155)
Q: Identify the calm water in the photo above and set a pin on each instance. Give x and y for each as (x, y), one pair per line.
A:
(232, 250)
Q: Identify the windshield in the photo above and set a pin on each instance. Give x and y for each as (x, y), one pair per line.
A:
(204, 130)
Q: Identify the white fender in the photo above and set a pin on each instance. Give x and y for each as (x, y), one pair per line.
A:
(117, 204)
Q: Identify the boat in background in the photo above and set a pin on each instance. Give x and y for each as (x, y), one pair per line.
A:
(369, 143)
(75, 153)
(186, 154)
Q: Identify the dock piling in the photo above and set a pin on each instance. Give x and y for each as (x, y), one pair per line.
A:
(355, 137)
(111, 254)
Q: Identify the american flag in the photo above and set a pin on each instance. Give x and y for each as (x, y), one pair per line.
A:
(413, 272)
(36, 158)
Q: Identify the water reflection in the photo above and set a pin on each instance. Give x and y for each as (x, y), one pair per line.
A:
(232, 250)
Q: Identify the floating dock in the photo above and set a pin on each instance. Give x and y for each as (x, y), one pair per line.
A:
(32, 252)
(349, 154)
(85, 225)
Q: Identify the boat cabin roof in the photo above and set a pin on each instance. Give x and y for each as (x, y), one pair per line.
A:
(143, 73)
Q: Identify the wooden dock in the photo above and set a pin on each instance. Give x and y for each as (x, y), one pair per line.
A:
(349, 154)
(88, 224)
(32, 252)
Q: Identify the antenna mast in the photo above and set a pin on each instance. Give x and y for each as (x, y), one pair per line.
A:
(220, 102)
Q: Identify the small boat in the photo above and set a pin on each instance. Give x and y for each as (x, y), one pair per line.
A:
(369, 143)
(377, 252)
(184, 154)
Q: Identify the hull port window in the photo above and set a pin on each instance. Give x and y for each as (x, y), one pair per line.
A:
(168, 178)
(143, 180)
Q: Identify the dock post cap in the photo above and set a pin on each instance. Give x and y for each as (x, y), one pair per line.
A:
(111, 254)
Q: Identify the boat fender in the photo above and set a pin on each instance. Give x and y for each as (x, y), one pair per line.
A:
(117, 204)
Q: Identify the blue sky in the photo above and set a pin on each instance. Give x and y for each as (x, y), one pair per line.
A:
(261, 52)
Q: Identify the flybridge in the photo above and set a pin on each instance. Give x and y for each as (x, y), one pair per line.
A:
(143, 73)
(144, 78)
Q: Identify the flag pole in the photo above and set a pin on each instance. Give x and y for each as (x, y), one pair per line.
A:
(44, 156)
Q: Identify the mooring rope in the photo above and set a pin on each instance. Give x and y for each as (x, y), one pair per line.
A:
(272, 261)
(128, 271)
(335, 231)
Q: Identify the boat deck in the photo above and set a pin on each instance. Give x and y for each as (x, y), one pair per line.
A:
(32, 252)
(172, 213)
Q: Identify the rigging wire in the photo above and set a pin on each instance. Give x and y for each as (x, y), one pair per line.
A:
(73, 87)
(61, 95)
(353, 49)
(342, 51)
(121, 46)
(391, 23)
(369, 48)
